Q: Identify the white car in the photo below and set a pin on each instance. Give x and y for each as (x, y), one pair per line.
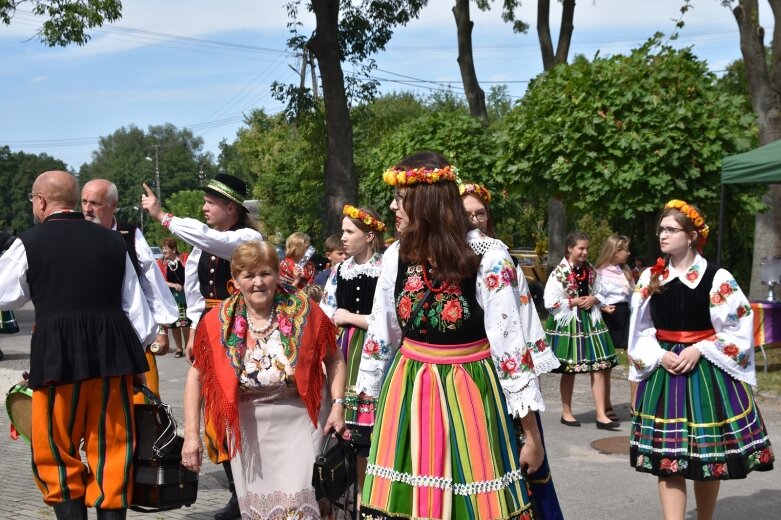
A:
(156, 252)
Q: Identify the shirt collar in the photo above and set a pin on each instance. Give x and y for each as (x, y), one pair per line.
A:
(689, 277)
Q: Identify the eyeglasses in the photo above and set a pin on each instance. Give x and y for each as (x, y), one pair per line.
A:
(667, 230)
(32, 195)
(479, 216)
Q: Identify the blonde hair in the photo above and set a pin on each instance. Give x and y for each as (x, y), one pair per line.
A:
(252, 256)
(296, 245)
(612, 245)
(315, 292)
(378, 239)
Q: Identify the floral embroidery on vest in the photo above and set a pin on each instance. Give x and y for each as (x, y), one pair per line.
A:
(446, 310)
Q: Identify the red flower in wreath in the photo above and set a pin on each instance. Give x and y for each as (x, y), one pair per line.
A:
(452, 312)
(731, 350)
(692, 275)
(725, 289)
(716, 298)
(405, 307)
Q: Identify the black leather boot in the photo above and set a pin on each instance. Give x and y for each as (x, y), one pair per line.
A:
(112, 514)
(70, 510)
(231, 510)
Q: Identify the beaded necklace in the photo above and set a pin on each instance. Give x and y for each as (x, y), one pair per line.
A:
(436, 290)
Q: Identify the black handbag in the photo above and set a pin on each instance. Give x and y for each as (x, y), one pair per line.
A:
(335, 472)
(160, 482)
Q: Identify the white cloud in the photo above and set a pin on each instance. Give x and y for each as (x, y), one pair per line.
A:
(39, 79)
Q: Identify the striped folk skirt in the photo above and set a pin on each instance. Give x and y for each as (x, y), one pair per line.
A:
(443, 445)
(703, 425)
(8, 323)
(581, 346)
(359, 412)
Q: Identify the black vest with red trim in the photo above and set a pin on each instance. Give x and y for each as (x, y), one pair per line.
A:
(214, 273)
(75, 273)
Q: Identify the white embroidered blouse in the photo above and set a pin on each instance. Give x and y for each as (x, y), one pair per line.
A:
(732, 348)
(500, 303)
(559, 290)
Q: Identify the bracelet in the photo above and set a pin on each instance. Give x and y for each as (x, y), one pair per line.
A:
(167, 220)
(338, 400)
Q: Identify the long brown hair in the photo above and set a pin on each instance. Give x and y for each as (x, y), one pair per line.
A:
(438, 223)
(687, 225)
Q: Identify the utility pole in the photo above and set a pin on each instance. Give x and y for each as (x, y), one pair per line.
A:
(157, 171)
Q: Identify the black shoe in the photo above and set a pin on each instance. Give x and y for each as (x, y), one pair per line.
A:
(612, 425)
(231, 510)
(70, 510)
(112, 514)
(178, 353)
(574, 423)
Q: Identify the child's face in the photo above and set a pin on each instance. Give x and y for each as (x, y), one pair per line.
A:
(336, 256)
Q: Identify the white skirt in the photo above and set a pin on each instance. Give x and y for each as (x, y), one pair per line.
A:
(273, 470)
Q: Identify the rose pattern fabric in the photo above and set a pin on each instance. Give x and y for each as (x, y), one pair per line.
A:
(445, 310)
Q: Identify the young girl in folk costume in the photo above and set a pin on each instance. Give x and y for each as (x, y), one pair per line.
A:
(616, 287)
(445, 328)
(172, 266)
(477, 200)
(347, 300)
(690, 343)
(294, 268)
(576, 331)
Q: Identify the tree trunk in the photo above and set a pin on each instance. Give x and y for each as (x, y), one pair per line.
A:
(557, 231)
(341, 179)
(557, 210)
(764, 86)
(474, 94)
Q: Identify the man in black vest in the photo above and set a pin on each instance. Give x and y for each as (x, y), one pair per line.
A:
(207, 271)
(99, 200)
(90, 320)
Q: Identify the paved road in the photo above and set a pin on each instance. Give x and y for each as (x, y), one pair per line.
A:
(590, 484)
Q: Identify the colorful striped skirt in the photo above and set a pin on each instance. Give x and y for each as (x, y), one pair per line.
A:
(444, 445)
(580, 345)
(703, 425)
(359, 412)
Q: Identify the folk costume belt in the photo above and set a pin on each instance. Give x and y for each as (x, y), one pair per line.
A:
(685, 336)
(446, 354)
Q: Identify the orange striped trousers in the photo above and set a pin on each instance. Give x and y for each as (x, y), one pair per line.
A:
(99, 412)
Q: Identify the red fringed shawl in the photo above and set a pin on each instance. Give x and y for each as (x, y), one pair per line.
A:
(307, 335)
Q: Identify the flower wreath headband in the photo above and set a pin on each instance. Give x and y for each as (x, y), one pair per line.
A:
(357, 214)
(408, 176)
(694, 216)
(477, 190)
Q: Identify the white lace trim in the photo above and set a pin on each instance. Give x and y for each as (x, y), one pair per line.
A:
(525, 399)
(725, 364)
(481, 243)
(473, 488)
(349, 269)
(545, 361)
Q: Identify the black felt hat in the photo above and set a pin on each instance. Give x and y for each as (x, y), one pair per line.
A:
(228, 187)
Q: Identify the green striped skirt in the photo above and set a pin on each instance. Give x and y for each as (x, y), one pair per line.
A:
(704, 425)
(580, 345)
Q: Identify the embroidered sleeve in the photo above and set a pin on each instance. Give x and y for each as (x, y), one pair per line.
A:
(383, 335)
(644, 350)
(544, 358)
(556, 298)
(732, 349)
(328, 302)
(497, 293)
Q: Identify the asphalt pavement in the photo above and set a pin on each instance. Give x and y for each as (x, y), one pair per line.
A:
(591, 483)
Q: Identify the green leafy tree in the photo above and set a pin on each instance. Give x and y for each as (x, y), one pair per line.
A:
(127, 158)
(66, 21)
(619, 136)
(21, 169)
(288, 159)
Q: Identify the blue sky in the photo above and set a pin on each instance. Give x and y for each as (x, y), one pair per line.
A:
(201, 64)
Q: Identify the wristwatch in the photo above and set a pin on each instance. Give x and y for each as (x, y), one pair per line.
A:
(338, 400)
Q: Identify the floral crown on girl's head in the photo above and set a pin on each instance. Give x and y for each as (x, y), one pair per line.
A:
(694, 216)
(353, 212)
(477, 190)
(409, 176)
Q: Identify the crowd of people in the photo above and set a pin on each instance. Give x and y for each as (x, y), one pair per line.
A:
(424, 351)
